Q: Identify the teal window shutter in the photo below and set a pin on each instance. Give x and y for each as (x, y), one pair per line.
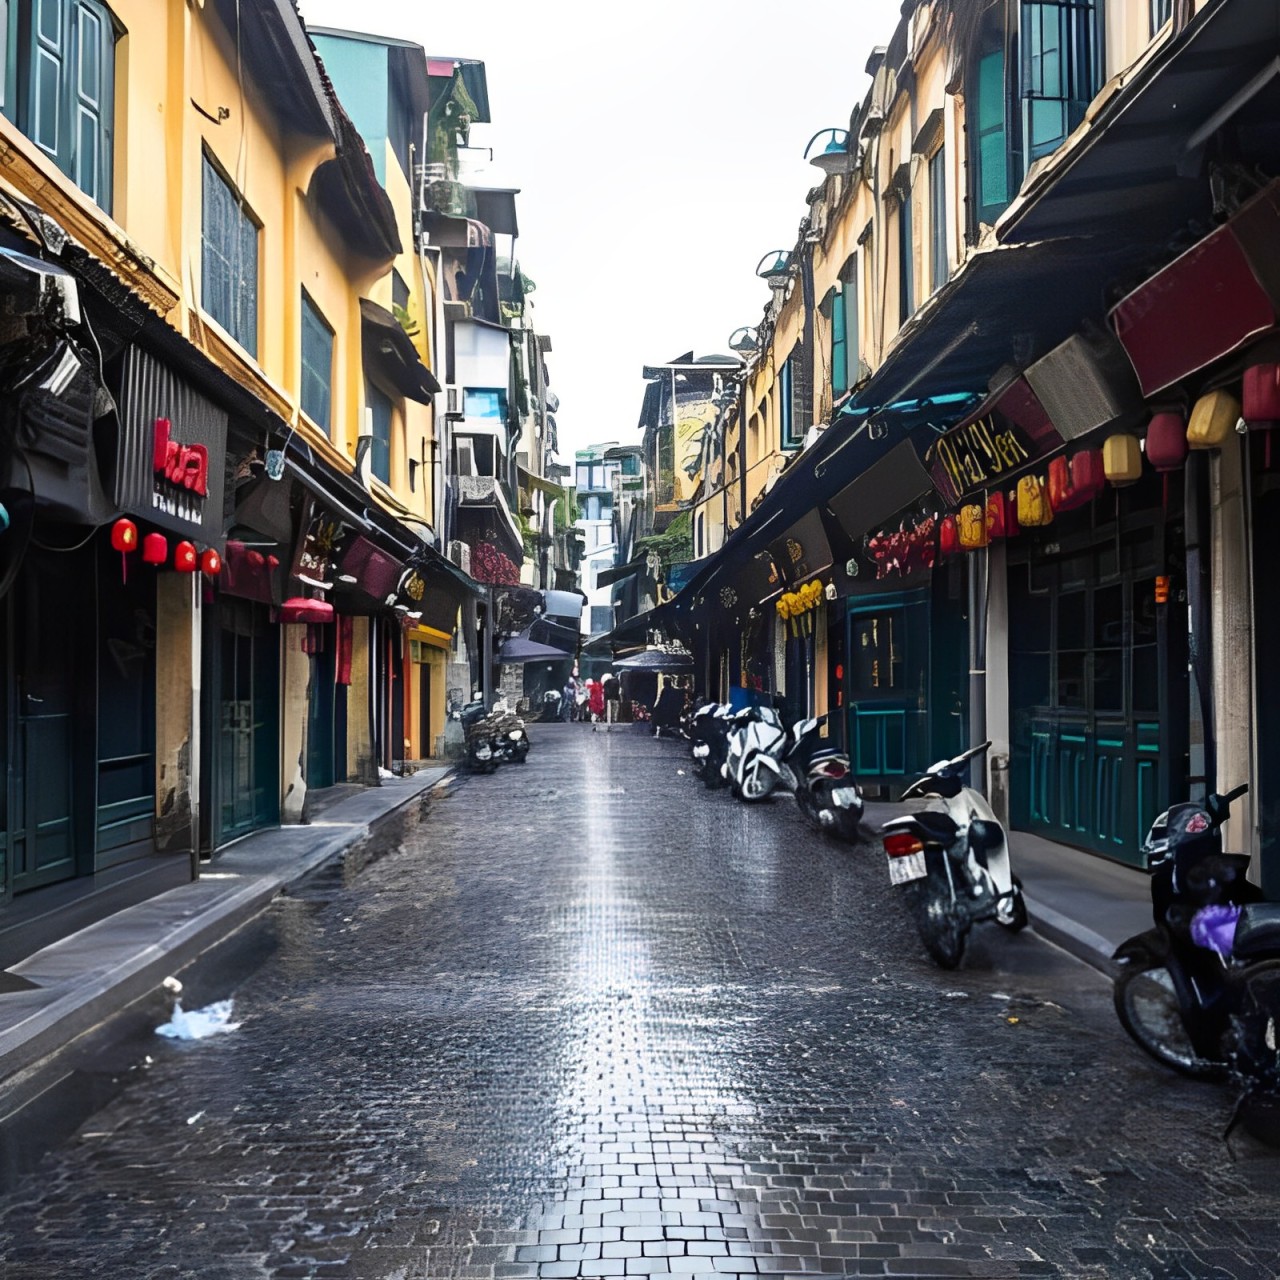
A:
(938, 219)
(380, 410)
(993, 152)
(317, 365)
(69, 104)
(1061, 69)
(848, 304)
(839, 357)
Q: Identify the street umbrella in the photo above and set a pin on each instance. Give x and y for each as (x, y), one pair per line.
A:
(656, 660)
(522, 649)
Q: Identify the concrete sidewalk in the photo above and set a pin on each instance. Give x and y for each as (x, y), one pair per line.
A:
(83, 979)
(1084, 903)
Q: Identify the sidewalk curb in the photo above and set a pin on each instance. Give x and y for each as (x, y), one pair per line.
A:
(1075, 938)
(209, 913)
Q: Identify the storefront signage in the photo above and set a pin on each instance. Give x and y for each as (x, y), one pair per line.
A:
(314, 561)
(803, 550)
(976, 456)
(171, 456)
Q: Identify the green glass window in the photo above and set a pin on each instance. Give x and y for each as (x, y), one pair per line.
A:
(1061, 69)
(839, 344)
(229, 260)
(65, 102)
(993, 152)
(380, 452)
(938, 219)
(317, 365)
(848, 303)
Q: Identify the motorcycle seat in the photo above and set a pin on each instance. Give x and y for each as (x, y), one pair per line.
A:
(1258, 931)
(938, 827)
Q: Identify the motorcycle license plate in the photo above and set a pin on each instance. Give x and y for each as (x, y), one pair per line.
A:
(904, 870)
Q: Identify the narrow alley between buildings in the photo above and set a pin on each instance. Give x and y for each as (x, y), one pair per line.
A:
(593, 1021)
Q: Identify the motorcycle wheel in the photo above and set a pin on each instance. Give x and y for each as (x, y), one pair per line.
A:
(943, 931)
(808, 806)
(848, 826)
(1147, 1006)
(756, 786)
(1017, 917)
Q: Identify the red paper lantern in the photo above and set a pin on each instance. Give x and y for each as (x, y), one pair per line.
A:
(211, 563)
(948, 537)
(184, 558)
(256, 559)
(1002, 516)
(124, 536)
(155, 550)
(1167, 446)
(273, 562)
(1076, 481)
(1260, 395)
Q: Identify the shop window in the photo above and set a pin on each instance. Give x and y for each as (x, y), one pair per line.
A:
(1061, 69)
(876, 664)
(380, 449)
(228, 259)
(317, 365)
(65, 94)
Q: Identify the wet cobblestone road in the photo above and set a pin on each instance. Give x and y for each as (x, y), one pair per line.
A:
(592, 1021)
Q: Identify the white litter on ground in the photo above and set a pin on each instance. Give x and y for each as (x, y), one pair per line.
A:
(172, 984)
(385, 773)
(212, 1020)
(194, 1118)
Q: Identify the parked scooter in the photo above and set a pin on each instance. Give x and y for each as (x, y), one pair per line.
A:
(1199, 990)
(951, 861)
(753, 762)
(480, 757)
(709, 736)
(551, 706)
(825, 790)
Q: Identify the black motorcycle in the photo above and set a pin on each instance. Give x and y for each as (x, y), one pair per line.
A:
(1200, 991)
(709, 742)
(481, 756)
(825, 789)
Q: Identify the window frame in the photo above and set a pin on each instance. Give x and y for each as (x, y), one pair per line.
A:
(906, 259)
(788, 441)
(20, 87)
(939, 258)
(211, 249)
(850, 291)
(987, 162)
(1068, 80)
(310, 311)
(1161, 12)
(380, 446)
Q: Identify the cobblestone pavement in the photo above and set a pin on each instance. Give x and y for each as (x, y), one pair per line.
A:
(592, 1021)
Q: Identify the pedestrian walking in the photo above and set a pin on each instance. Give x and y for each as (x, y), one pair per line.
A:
(595, 702)
(568, 698)
(612, 699)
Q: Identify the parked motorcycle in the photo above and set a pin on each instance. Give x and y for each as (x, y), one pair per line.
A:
(551, 706)
(825, 789)
(951, 861)
(1199, 991)
(493, 739)
(709, 737)
(757, 743)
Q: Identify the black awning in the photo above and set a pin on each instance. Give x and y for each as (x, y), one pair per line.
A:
(882, 490)
(496, 208)
(388, 350)
(620, 572)
(636, 627)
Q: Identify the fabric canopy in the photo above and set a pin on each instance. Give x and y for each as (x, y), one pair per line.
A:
(656, 660)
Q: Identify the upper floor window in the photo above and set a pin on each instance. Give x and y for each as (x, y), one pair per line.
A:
(317, 365)
(906, 261)
(1061, 69)
(65, 63)
(484, 402)
(833, 309)
(938, 266)
(229, 260)
(1161, 12)
(790, 432)
(380, 450)
(991, 167)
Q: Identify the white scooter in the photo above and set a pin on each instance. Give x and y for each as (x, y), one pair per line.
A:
(951, 861)
(757, 763)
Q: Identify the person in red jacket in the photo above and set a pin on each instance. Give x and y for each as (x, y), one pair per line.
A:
(595, 702)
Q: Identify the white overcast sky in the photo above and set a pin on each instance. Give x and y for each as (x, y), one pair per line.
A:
(658, 150)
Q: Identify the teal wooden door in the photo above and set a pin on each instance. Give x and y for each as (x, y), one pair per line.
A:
(46, 634)
(1086, 698)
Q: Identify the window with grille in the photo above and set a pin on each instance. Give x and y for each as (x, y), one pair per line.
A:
(229, 259)
(1061, 69)
(317, 365)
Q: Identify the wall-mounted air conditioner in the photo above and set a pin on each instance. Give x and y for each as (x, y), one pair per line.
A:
(460, 554)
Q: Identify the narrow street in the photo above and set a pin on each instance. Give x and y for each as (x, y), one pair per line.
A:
(594, 1021)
